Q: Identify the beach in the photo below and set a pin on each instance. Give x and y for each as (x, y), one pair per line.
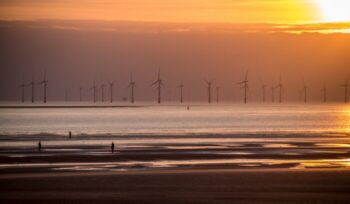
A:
(179, 186)
(252, 169)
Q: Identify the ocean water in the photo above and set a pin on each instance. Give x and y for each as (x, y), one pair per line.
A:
(177, 120)
(169, 136)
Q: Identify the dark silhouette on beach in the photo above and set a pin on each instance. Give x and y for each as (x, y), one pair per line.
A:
(112, 147)
(39, 146)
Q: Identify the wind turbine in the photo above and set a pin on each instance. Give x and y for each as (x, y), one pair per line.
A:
(209, 84)
(217, 93)
(272, 93)
(132, 86)
(94, 89)
(32, 84)
(280, 87)
(181, 86)
(305, 87)
(159, 83)
(103, 86)
(245, 86)
(346, 87)
(80, 94)
(263, 88)
(324, 90)
(22, 86)
(44, 82)
(65, 95)
(111, 84)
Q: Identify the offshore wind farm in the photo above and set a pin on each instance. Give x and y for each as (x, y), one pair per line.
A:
(174, 101)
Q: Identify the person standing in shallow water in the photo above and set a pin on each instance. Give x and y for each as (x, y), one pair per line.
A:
(112, 147)
(39, 146)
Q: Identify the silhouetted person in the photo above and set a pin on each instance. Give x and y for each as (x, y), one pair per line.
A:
(188, 107)
(112, 147)
(70, 135)
(39, 146)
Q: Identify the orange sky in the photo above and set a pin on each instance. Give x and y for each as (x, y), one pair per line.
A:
(268, 37)
(280, 11)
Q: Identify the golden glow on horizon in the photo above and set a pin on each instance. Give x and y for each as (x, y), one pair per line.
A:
(213, 11)
(334, 10)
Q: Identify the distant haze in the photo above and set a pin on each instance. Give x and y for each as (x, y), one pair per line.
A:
(75, 53)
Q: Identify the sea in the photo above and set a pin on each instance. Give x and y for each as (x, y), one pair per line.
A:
(173, 135)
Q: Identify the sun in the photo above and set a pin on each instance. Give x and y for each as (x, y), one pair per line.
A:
(334, 10)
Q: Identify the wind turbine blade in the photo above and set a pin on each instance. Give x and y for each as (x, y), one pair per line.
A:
(155, 82)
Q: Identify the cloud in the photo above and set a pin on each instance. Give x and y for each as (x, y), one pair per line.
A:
(161, 27)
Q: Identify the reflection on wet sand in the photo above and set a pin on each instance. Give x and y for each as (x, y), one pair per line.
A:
(179, 152)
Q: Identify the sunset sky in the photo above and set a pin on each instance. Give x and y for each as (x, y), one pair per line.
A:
(296, 11)
(190, 39)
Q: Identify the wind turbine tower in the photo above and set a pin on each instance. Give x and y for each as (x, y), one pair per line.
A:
(346, 87)
(209, 84)
(272, 93)
(263, 88)
(111, 84)
(181, 86)
(324, 90)
(280, 87)
(94, 89)
(103, 86)
(22, 86)
(32, 85)
(245, 86)
(217, 93)
(80, 94)
(305, 87)
(45, 83)
(132, 86)
(159, 83)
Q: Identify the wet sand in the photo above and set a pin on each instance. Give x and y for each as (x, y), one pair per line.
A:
(175, 169)
(179, 186)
